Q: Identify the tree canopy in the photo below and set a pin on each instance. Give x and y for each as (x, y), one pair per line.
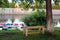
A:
(56, 2)
(23, 3)
(4, 3)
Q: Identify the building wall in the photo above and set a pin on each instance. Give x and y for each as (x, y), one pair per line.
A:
(12, 13)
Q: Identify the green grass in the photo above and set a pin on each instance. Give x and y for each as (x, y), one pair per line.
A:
(18, 35)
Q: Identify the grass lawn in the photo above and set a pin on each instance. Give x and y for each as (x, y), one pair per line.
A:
(18, 35)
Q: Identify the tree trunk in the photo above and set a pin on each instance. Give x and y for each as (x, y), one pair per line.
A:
(50, 27)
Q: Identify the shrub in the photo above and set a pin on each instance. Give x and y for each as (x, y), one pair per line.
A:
(55, 6)
(35, 18)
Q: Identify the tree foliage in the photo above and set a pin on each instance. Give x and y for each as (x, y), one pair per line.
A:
(4, 3)
(56, 2)
(12, 5)
(38, 3)
(23, 3)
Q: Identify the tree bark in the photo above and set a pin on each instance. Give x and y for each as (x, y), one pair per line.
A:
(49, 21)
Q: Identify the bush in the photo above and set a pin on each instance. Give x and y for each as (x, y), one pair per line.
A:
(35, 18)
(55, 6)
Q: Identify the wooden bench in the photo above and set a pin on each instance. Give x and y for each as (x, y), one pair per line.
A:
(26, 30)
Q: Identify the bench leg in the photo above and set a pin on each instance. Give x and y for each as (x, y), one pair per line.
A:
(43, 30)
(39, 29)
(26, 32)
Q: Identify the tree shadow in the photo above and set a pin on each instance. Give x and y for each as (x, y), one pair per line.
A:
(7, 34)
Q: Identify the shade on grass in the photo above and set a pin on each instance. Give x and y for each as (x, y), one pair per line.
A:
(18, 35)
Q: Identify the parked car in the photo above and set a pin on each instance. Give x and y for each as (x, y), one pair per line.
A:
(4, 27)
(1, 26)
